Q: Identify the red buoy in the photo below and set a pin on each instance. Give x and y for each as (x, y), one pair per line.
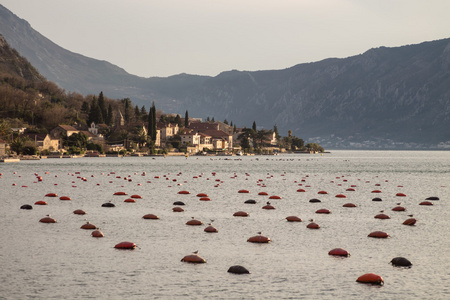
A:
(268, 206)
(301, 190)
(151, 216)
(184, 192)
(47, 219)
(177, 209)
(88, 226)
(202, 195)
(205, 199)
(339, 252)
(210, 228)
(410, 222)
(376, 191)
(79, 212)
(382, 216)
(350, 190)
(193, 259)
(51, 195)
(399, 208)
(323, 211)
(97, 233)
(313, 225)
(120, 194)
(64, 198)
(293, 219)
(322, 192)
(378, 234)
(125, 245)
(136, 196)
(194, 222)
(426, 203)
(370, 278)
(349, 205)
(40, 202)
(275, 197)
(259, 239)
(400, 195)
(241, 214)
(263, 194)
(340, 196)
(243, 191)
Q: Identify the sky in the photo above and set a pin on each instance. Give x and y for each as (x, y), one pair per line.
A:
(206, 37)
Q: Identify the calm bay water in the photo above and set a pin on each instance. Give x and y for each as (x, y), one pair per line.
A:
(55, 261)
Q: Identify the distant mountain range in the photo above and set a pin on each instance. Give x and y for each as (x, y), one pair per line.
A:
(384, 98)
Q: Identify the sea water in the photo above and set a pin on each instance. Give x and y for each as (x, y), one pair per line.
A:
(55, 261)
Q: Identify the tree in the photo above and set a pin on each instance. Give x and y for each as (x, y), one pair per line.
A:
(128, 109)
(225, 121)
(244, 139)
(102, 105)
(137, 113)
(261, 137)
(254, 126)
(314, 147)
(178, 120)
(109, 116)
(144, 114)
(275, 129)
(152, 123)
(186, 119)
(85, 107)
(95, 114)
(207, 119)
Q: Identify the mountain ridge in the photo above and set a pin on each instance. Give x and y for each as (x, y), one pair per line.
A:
(379, 98)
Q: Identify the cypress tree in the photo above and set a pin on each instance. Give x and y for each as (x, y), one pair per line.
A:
(137, 113)
(102, 105)
(109, 116)
(254, 126)
(95, 114)
(186, 119)
(152, 123)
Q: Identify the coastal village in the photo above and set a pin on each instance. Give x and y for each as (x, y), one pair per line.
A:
(173, 136)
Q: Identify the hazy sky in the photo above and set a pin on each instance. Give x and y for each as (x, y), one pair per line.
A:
(205, 37)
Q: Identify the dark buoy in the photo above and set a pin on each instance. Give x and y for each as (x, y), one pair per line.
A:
(178, 203)
(108, 204)
(401, 262)
(432, 198)
(250, 201)
(238, 270)
(314, 200)
(26, 206)
(377, 199)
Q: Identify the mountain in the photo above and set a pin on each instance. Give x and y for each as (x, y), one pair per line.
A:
(14, 66)
(384, 98)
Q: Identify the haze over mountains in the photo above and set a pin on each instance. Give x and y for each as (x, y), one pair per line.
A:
(385, 97)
